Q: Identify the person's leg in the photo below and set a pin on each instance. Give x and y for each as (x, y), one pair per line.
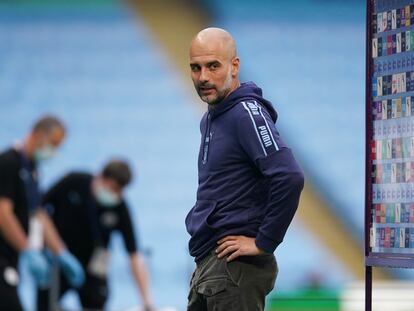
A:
(241, 285)
(94, 293)
(212, 289)
(43, 294)
(42, 299)
(9, 298)
(196, 302)
(255, 277)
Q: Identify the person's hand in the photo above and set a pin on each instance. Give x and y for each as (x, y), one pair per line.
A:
(38, 265)
(237, 245)
(71, 267)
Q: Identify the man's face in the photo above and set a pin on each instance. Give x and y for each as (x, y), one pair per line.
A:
(53, 139)
(111, 185)
(107, 191)
(212, 71)
(46, 144)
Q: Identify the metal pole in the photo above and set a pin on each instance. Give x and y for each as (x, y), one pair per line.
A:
(368, 288)
(368, 138)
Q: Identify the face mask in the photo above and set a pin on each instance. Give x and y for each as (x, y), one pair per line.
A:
(106, 197)
(44, 153)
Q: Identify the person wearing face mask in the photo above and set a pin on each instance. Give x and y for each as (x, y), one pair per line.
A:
(86, 210)
(21, 216)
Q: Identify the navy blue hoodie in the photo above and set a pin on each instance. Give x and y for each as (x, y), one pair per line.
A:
(249, 182)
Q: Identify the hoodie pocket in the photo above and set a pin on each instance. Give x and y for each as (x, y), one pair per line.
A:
(196, 220)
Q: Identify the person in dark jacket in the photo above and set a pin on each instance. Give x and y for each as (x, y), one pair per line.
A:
(24, 225)
(249, 184)
(86, 210)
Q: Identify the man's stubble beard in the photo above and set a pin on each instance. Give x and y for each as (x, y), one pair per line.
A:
(221, 94)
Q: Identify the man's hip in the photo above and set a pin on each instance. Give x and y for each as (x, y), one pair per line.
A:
(241, 284)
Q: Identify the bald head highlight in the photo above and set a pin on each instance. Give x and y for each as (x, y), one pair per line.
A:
(218, 39)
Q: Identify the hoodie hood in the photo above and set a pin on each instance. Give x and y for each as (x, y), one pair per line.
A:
(245, 91)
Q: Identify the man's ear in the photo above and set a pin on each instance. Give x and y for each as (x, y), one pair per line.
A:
(235, 64)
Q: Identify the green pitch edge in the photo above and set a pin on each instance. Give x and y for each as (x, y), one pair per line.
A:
(305, 300)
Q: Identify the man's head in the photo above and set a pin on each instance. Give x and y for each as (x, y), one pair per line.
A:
(214, 64)
(110, 183)
(45, 137)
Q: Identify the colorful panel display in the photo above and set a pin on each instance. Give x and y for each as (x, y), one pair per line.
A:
(391, 122)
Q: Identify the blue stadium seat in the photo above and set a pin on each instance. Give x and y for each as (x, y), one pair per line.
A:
(114, 87)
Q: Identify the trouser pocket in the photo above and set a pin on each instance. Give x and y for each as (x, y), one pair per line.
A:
(220, 295)
(255, 277)
(254, 270)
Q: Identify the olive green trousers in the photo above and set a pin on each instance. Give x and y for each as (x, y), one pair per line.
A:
(239, 285)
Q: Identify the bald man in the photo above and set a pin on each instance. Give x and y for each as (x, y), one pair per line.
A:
(249, 184)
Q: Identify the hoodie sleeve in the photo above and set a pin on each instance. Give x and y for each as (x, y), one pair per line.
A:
(263, 146)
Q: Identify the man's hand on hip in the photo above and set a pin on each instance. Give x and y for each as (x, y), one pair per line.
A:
(237, 245)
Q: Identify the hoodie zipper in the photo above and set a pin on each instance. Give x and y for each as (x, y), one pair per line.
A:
(207, 139)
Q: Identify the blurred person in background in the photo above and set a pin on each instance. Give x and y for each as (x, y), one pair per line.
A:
(19, 207)
(86, 210)
(249, 184)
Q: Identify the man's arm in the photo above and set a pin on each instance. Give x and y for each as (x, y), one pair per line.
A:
(263, 146)
(286, 184)
(136, 260)
(51, 236)
(13, 232)
(140, 273)
(10, 226)
(69, 264)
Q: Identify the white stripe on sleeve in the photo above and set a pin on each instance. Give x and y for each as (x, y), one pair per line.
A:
(267, 124)
(255, 128)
